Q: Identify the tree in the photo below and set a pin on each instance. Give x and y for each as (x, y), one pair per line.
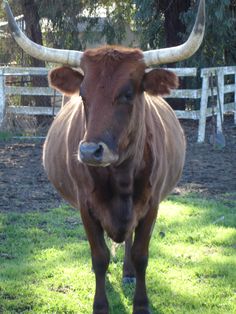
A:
(162, 27)
(149, 23)
(9, 50)
(174, 26)
(32, 28)
(160, 21)
(62, 18)
(219, 45)
(119, 13)
(165, 24)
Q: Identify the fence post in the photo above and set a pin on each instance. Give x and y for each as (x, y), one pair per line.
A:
(235, 99)
(203, 108)
(2, 97)
(220, 99)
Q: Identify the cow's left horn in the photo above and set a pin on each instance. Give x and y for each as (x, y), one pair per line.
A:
(184, 51)
(67, 57)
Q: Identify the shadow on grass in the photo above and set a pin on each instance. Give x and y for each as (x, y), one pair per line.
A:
(116, 305)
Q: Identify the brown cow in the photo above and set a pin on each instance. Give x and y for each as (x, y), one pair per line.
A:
(116, 149)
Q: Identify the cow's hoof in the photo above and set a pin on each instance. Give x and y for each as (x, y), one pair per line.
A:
(127, 280)
(100, 307)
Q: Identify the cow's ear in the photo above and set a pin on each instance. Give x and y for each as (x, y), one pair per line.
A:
(65, 79)
(160, 82)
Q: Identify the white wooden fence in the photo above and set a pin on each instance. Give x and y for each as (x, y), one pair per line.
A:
(221, 73)
(202, 94)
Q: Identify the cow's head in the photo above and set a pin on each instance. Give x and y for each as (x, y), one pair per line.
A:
(111, 86)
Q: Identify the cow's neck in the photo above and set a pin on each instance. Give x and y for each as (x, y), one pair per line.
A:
(133, 153)
(122, 185)
(134, 163)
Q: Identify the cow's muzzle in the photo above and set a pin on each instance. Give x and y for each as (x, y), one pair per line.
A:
(96, 154)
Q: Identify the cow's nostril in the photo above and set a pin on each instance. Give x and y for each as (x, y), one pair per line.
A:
(99, 152)
(96, 154)
(91, 152)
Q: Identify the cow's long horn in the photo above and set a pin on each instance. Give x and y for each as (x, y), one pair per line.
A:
(184, 51)
(67, 57)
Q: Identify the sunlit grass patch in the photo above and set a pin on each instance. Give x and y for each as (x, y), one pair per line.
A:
(41, 255)
(194, 255)
(46, 265)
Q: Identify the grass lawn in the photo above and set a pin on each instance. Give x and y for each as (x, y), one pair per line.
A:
(45, 264)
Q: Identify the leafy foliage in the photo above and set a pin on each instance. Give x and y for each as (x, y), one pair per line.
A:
(219, 46)
(9, 50)
(65, 17)
(60, 20)
(117, 17)
(149, 23)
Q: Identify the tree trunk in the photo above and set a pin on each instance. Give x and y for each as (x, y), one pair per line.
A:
(33, 31)
(173, 24)
(173, 28)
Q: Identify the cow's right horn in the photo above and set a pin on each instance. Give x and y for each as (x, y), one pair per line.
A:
(181, 52)
(67, 57)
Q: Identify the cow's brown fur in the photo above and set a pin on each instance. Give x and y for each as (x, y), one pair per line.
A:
(148, 139)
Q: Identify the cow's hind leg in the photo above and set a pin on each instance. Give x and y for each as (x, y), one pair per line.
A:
(140, 260)
(100, 260)
(128, 267)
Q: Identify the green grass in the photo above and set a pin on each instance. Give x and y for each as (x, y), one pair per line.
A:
(5, 135)
(45, 264)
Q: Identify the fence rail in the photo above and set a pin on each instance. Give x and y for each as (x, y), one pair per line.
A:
(202, 94)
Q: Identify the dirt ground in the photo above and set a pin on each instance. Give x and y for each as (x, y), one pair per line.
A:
(24, 185)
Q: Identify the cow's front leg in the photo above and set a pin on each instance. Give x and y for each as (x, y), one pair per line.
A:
(140, 260)
(128, 267)
(100, 260)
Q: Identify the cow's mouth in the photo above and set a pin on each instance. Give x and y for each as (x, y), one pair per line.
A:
(96, 154)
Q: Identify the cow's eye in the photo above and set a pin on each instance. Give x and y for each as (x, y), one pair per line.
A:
(126, 95)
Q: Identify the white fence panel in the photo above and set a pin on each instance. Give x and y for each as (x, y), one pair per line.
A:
(2, 96)
(202, 94)
(223, 89)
